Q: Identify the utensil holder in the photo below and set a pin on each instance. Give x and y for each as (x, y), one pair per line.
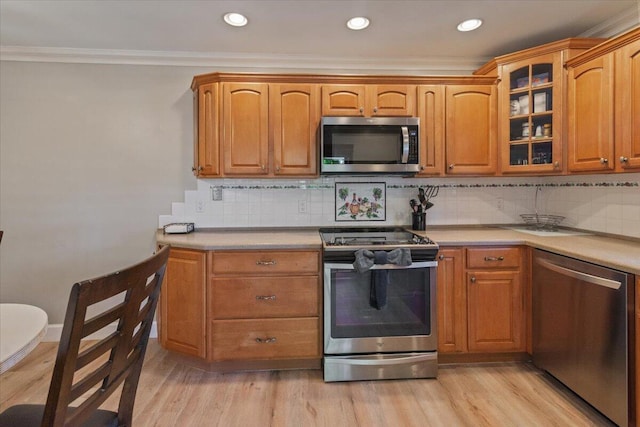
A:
(418, 221)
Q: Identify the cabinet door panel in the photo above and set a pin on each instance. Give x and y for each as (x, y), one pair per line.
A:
(471, 114)
(182, 303)
(495, 310)
(452, 307)
(431, 114)
(628, 113)
(343, 100)
(245, 128)
(207, 147)
(391, 100)
(294, 115)
(590, 135)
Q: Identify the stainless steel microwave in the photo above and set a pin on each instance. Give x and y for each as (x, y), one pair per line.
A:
(369, 145)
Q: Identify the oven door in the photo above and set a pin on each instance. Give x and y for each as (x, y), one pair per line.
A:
(405, 323)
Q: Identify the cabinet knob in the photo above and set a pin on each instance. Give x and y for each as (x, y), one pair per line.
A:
(421, 167)
(604, 161)
(556, 165)
(624, 159)
(473, 279)
(451, 166)
(199, 169)
(262, 166)
(277, 168)
(193, 168)
(441, 257)
(375, 109)
(361, 110)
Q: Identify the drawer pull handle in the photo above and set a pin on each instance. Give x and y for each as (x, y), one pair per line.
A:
(266, 297)
(269, 340)
(265, 263)
(493, 258)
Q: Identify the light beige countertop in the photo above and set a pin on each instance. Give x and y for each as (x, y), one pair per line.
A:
(615, 253)
(214, 239)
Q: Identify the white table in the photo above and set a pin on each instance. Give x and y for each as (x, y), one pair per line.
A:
(22, 327)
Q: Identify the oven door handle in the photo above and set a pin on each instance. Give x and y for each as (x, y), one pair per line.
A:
(347, 266)
(386, 360)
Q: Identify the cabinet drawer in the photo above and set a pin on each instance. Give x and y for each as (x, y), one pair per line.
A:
(265, 262)
(255, 297)
(265, 339)
(493, 257)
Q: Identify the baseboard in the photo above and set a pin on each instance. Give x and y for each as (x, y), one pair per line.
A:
(54, 332)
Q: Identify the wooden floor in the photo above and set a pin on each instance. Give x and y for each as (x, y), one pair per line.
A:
(173, 394)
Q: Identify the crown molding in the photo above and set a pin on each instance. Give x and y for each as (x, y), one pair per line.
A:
(625, 21)
(441, 65)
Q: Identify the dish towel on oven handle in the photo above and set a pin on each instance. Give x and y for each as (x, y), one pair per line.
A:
(366, 259)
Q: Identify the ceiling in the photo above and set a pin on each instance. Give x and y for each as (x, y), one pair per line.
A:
(403, 35)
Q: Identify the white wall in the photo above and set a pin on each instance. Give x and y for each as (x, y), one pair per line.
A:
(90, 155)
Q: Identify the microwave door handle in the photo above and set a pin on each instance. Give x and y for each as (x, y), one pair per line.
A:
(405, 144)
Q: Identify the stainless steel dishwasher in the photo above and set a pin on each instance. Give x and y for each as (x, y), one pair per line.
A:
(581, 327)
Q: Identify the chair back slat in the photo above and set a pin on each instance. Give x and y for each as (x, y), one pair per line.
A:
(90, 354)
(98, 322)
(94, 379)
(114, 360)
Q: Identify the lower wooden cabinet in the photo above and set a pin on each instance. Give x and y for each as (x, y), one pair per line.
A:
(264, 305)
(243, 306)
(182, 303)
(452, 301)
(495, 310)
(480, 300)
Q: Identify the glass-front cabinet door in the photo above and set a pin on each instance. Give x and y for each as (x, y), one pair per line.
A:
(531, 115)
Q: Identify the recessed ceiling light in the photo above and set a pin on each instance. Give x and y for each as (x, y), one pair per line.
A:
(358, 23)
(235, 19)
(469, 24)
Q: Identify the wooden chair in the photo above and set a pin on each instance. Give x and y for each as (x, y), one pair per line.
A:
(84, 378)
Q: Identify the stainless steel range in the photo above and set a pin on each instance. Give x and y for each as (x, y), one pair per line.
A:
(379, 304)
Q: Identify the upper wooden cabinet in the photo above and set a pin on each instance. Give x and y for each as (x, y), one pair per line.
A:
(627, 94)
(245, 128)
(269, 129)
(294, 115)
(532, 105)
(532, 90)
(369, 100)
(206, 148)
(431, 113)
(470, 129)
(604, 107)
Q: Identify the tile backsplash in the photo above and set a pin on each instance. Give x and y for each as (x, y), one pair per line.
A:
(605, 203)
